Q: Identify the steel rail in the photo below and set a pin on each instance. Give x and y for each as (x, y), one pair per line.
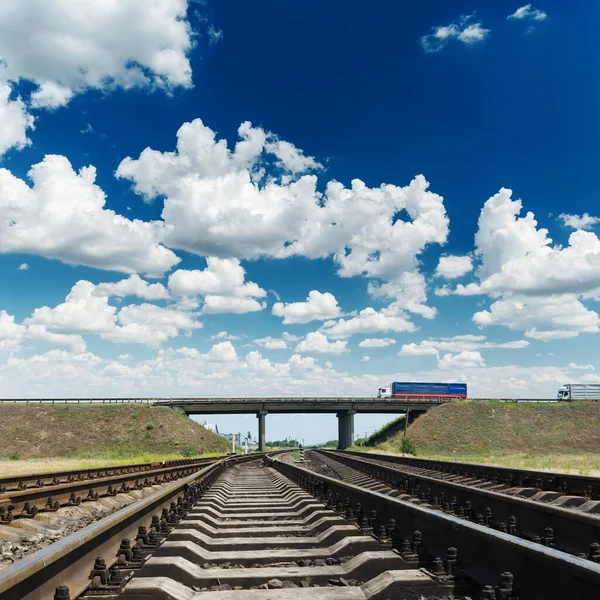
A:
(37, 480)
(69, 561)
(579, 485)
(27, 502)
(568, 530)
(482, 554)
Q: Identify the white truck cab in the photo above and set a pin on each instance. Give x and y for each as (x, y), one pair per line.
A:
(385, 392)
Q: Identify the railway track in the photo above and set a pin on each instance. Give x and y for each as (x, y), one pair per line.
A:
(580, 488)
(26, 496)
(570, 530)
(260, 528)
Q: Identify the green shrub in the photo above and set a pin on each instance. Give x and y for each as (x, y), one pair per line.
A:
(14, 456)
(149, 425)
(188, 451)
(407, 446)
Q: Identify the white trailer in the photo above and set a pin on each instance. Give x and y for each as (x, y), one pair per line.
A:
(579, 391)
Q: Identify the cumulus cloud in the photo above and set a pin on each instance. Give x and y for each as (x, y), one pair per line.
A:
(468, 359)
(70, 46)
(466, 30)
(408, 292)
(218, 202)
(577, 367)
(365, 359)
(541, 317)
(11, 332)
(538, 286)
(271, 343)
(457, 344)
(222, 352)
(222, 284)
(85, 311)
(223, 335)
(583, 221)
(451, 267)
(527, 12)
(134, 285)
(15, 121)
(318, 343)
(376, 342)
(317, 307)
(367, 321)
(62, 216)
(23, 267)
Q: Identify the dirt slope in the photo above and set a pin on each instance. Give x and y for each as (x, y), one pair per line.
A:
(42, 430)
(481, 427)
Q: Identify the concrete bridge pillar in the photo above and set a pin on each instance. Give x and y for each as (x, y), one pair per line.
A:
(261, 430)
(345, 428)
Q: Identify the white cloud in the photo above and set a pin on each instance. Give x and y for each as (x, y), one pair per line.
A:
(317, 307)
(39, 333)
(169, 372)
(365, 359)
(290, 158)
(11, 332)
(70, 46)
(465, 29)
(14, 120)
(538, 286)
(451, 267)
(51, 95)
(223, 286)
(289, 337)
(583, 221)
(134, 285)
(219, 203)
(87, 312)
(541, 317)
(422, 349)
(458, 343)
(62, 216)
(23, 267)
(468, 359)
(408, 292)
(367, 321)
(318, 342)
(581, 367)
(214, 35)
(223, 335)
(271, 343)
(376, 342)
(229, 304)
(82, 312)
(222, 352)
(150, 324)
(529, 13)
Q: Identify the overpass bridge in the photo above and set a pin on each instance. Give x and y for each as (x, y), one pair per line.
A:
(345, 407)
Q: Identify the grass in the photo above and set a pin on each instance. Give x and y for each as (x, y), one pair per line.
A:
(9, 467)
(562, 437)
(578, 464)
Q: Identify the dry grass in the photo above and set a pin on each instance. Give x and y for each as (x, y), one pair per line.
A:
(9, 468)
(113, 433)
(562, 437)
(577, 464)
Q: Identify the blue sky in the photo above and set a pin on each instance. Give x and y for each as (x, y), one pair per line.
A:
(362, 232)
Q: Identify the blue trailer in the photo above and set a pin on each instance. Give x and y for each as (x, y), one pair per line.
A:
(414, 389)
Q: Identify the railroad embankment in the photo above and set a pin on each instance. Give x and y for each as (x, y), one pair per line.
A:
(561, 436)
(101, 431)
